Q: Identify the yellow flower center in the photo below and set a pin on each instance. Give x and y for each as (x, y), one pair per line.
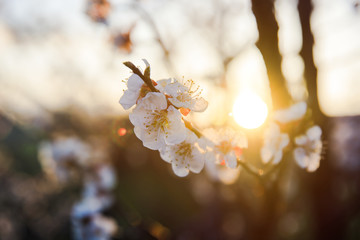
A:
(224, 147)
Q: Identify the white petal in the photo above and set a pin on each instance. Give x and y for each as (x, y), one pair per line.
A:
(293, 113)
(166, 154)
(314, 133)
(314, 162)
(146, 62)
(277, 157)
(134, 83)
(197, 161)
(228, 175)
(153, 101)
(129, 98)
(212, 135)
(180, 104)
(138, 116)
(161, 84)
(266, 154)
(301, 140)
(149, 138)
(180, 169)
(210, 156)
(174, 88)
(284, 140)
(240, 140)
(317, 146)
(175, 131)
(199, 105)
(300, 157)
(205, 143)
(230, 160)
(191, 137)
(218, 158)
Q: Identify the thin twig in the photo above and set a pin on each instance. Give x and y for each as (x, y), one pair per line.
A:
(145, 78)
(250, 171)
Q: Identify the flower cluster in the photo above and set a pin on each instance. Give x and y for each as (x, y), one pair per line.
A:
(159, 119)
(70, 157)
(308, 146)
(159, 122)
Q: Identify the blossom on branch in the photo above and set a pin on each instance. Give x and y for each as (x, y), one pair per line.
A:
(274, 143)
(155, 123)
(225, 144)
(221, 173)
(185, 95)
(186, 156)
(308, 153)
(293, 113)
(136, 90)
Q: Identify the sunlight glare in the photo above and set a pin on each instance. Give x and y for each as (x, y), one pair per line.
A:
(249, 110)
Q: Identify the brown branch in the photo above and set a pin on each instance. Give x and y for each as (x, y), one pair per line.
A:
(257, 175)
(305, 8)
(269, 48)
(146, 78)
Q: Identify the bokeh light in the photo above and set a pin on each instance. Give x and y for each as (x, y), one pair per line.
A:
(249, 110)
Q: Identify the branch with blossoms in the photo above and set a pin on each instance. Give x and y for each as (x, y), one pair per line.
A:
(159, 120)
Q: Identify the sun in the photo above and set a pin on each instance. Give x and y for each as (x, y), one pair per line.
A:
(249, 110)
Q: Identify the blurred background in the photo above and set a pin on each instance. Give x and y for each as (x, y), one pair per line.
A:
(61, 77)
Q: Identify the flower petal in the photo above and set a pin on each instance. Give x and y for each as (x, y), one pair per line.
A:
(300, 157)
(317, 146)
(277, 157)
(154, 101)
(197, 161)
(180, 169)
(138, 116)
(134, 83)
(266, 153)
(284, 140)
(166, 154)
(161, 84)
(292, 113)
(150, 139)
(199, 105)
(175, 131)
(314, 162)
(174, 88)
(230, 160)
(146, 62)
(314, 133)
(128, 99)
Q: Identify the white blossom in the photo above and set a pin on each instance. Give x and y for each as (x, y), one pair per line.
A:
(136, 89)
(219, 172)
(87, 206)
(294, 112)
(274, 143)
(308, 154)
(186, 156)
(58, 156)
(155, 123)
(185, 95)
(106, 177)
(94, 227)
(161, 84)
(226, 145)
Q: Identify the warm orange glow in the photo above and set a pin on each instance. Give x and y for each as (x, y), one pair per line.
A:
(121, 132)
